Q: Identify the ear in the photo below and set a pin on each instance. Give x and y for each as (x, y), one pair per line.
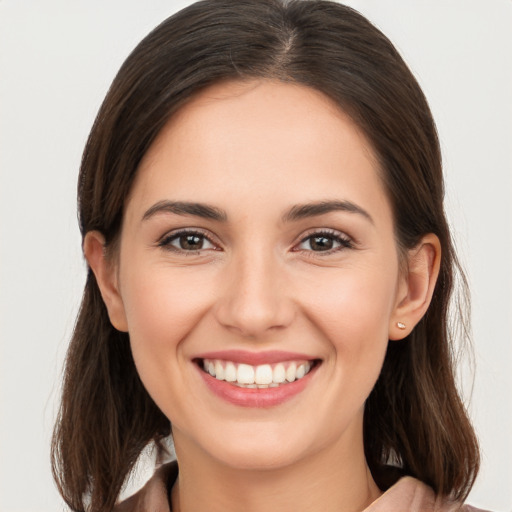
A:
(416, 286)
(106, 277)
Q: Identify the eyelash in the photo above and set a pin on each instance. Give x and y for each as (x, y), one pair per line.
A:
(335, 236)
(165, 241)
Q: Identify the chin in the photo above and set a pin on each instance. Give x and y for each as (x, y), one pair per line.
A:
(257, 458)
(258, 446)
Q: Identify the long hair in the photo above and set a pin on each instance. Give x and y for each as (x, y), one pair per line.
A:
(414, 416)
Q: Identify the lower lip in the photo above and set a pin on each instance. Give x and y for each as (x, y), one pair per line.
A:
(248, 397)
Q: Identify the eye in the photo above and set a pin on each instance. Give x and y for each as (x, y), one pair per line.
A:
(325, 241)
(187, 241)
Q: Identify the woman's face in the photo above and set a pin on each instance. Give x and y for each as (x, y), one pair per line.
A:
(258, 243)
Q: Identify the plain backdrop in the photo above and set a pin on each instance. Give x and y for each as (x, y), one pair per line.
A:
(57, 59)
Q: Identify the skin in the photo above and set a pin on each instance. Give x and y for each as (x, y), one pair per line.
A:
(255, 150)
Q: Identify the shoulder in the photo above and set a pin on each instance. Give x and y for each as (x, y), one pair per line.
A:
(154, 495)
(414, 496)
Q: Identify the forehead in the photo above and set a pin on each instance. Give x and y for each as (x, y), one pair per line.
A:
(261, 110)
(261, 140)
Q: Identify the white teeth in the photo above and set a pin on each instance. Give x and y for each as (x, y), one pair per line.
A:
(219, 370)
(261, 376)
(291, 372)
(230, 372)
(279, 374)
(245, 374)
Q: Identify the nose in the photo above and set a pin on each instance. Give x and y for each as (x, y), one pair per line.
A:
(254, 298)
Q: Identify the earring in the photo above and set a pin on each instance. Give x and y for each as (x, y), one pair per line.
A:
(400, 325)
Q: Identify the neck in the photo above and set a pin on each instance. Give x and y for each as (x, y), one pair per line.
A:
(337, 479)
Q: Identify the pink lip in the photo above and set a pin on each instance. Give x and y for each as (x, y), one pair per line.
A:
(255, 358)
(258, 398)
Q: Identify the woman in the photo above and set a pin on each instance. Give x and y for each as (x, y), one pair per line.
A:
(261, 204)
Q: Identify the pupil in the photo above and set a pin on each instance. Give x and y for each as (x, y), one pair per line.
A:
(191, 242)
(321, 243)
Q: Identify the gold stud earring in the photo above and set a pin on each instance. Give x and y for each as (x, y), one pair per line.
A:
(400, 325)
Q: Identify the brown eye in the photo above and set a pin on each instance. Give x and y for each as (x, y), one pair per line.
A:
(325, 242)
(188, 241)
(191, 242)
(321, 243)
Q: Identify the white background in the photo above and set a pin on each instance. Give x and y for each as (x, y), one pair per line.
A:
(57, 60)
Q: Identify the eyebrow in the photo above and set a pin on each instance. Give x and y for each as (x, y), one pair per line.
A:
(297, 212)
(186, 208)
(302, 211)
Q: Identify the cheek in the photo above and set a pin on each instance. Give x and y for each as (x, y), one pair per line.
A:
(352, 306)
(162, 307)
(352, 311)
(353, 317)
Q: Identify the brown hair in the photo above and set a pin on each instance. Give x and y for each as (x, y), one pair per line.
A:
(414, 417)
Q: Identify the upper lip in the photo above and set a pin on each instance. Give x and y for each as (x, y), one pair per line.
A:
(255, 358)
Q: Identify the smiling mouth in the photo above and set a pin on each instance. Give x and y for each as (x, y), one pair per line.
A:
(262, 376)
